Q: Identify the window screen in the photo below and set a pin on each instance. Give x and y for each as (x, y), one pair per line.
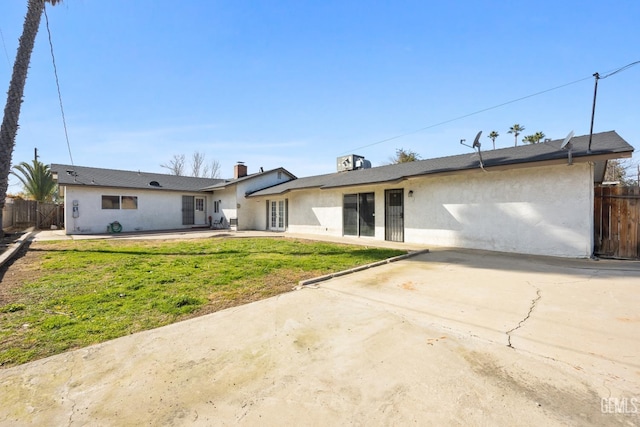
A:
(110, 202)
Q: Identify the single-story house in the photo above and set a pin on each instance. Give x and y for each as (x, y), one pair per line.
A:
(532, 199)
(97, 198)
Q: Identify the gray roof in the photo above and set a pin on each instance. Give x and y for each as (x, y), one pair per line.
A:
(69, 175)
(604, 145)
(224, 183)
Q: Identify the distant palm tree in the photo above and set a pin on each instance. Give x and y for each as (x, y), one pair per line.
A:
(37, 180)
(516, 130)
(492, 136)
(534, 139)
(9, 127)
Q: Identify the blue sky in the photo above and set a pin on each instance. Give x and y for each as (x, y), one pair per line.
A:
(298, 83)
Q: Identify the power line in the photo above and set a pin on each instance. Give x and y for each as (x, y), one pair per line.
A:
(55, 72)
(488, 109)
(4, 46)
(619, 70)
(595, 93)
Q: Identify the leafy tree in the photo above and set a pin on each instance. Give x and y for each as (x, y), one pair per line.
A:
(199, 167)
(9, 127)
(37, 180)
(516, 130)
(492, 136)
(404, 156)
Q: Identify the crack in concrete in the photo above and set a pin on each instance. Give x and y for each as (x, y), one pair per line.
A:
(521, 323)
(68, 391)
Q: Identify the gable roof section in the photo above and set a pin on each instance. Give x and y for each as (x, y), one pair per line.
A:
(224, 183)
(69, 175)
(605, 145)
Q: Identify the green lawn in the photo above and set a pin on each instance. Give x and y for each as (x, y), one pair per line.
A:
(78, 293)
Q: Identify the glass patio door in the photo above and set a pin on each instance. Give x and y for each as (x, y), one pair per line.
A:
(277, 215)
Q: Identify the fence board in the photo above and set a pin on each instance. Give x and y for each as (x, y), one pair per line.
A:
(617, 217)
(29, 213)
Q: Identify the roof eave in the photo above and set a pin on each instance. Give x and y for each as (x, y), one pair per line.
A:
(364, 184)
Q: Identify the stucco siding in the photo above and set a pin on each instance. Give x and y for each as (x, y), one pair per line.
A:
(252, 214)
(157, 210)
(316, 212)
(542, 211)
(228, 209)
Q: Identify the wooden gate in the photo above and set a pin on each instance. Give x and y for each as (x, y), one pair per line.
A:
(617, 218)
(29, 213)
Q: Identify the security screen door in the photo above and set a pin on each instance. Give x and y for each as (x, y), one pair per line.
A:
(188, 210)
(394, 215)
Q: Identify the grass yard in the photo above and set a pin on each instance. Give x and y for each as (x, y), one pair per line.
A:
(69, 294)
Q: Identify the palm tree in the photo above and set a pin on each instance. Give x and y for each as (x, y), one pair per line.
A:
(516, 130)
(37, 180)
(535, 138)
(9, 127)
(492, 136)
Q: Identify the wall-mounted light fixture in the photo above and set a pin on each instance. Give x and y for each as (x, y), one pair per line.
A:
(410, 193)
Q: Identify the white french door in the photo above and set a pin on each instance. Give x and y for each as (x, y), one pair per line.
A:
(277, 215)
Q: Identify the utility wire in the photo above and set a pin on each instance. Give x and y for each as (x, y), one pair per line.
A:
(55, 72)
(6, 54)
(488, 109)
(620, 69)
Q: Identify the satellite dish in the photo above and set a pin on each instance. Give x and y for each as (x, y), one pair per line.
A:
(566, 141)
(566, 145)
(476, 145)
(476, 142)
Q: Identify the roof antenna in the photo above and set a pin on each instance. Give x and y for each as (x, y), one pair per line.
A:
(476, 145)
(567, 145)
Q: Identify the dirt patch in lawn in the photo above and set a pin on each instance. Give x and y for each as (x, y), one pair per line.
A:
(17, 271)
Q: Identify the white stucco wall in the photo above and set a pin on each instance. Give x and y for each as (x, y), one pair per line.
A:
(252, 214)
(157, 210)
(228, 208)
(542, 210)
(316, 212)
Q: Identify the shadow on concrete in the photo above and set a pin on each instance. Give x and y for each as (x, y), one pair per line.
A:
(530, 263)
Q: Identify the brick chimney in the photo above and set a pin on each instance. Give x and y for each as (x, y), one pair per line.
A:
(239, 170)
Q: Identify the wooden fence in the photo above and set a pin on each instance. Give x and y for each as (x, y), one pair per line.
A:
(19, 213)
(617, 218)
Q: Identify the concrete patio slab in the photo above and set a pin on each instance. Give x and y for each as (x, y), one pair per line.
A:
(451, 337)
